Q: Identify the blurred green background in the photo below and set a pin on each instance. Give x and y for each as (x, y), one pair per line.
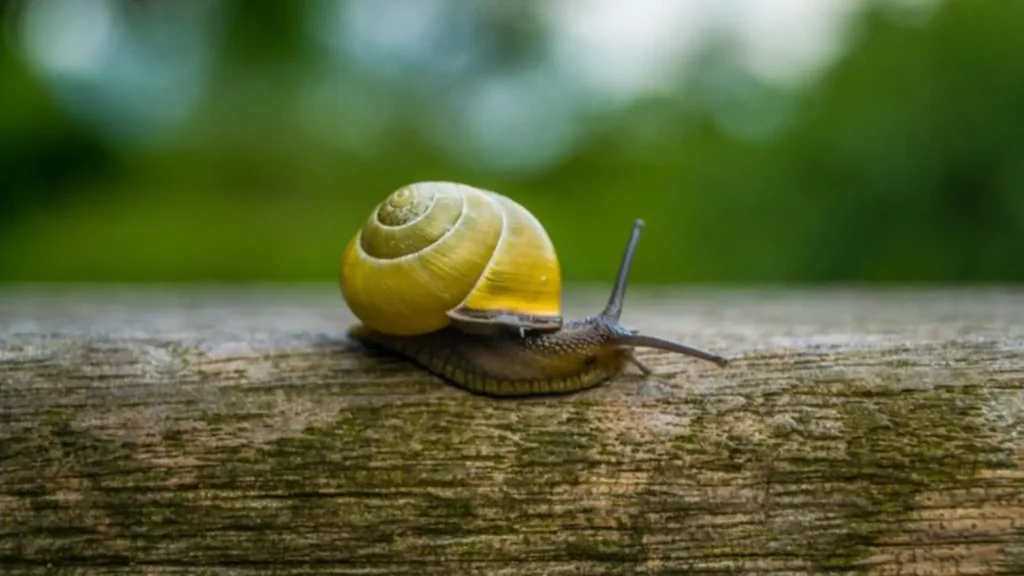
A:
(763, 141)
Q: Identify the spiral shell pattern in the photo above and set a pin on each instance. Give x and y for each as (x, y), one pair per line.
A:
(434, 253)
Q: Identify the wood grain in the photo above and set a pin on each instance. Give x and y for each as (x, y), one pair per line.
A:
(235, 430)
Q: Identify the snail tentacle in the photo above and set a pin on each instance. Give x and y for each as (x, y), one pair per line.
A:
(618, 297)
(612, 312)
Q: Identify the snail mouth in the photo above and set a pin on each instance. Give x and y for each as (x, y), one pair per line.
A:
(483, 319)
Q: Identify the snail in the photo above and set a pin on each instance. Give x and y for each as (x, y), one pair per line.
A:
(466, 283)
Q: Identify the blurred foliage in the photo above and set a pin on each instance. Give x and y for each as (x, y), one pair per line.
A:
(900, 162)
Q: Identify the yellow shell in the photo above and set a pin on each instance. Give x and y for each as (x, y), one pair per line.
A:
(434, 253)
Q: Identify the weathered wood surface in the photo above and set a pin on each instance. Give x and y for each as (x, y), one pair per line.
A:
(237, 432)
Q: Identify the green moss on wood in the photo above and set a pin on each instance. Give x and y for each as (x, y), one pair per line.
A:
(866, 468)
(806, 476)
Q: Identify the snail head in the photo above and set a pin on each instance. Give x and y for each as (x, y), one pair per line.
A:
(621, 336)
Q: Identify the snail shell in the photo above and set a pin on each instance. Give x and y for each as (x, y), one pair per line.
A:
(439, 253)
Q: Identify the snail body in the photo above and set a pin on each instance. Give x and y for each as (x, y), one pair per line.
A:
(466, 283)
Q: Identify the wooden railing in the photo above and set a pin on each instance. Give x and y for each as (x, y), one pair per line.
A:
(237, 431)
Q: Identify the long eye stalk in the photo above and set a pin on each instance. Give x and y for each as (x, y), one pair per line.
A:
(614, 307)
